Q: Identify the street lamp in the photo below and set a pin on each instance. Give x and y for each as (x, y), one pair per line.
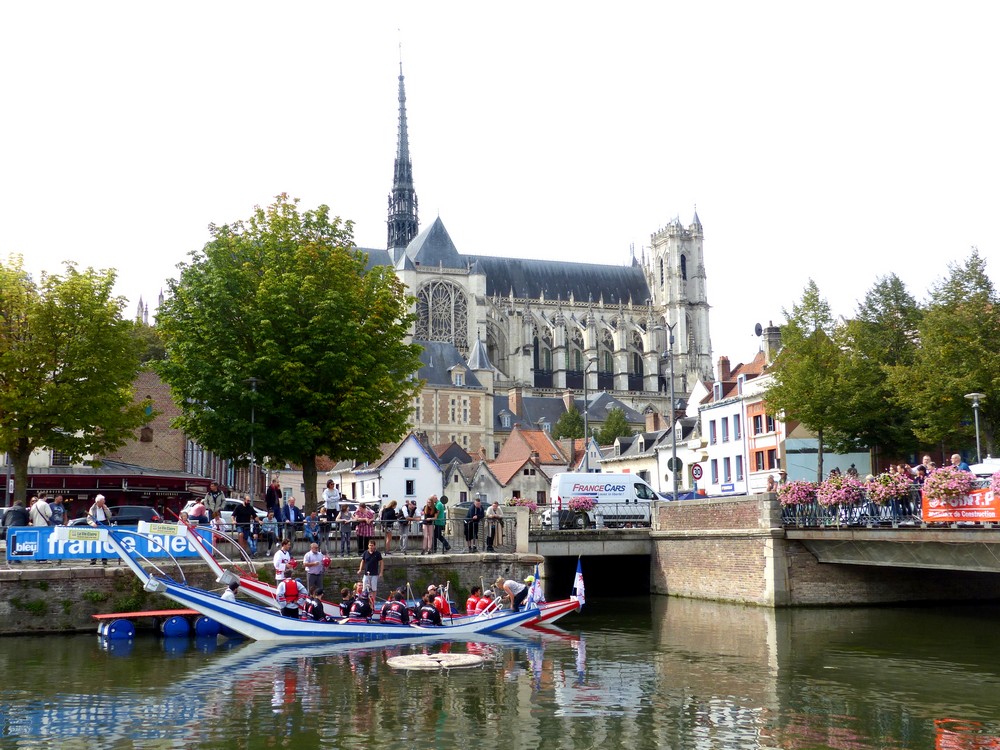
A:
(586, 418)
(974, 398)
(674, 465)
(252, 382)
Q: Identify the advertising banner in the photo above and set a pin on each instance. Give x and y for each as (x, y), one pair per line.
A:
(34, 543)
(981, 505)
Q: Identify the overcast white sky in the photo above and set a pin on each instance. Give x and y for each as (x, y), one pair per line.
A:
(838, 141)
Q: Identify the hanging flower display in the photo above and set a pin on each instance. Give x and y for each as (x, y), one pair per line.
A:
(523, 502)
(582, 504)
(886, 487)
(840, 489)
(798, 492)
(948, 483)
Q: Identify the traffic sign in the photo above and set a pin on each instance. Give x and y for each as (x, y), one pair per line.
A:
(696, 471)
(675, 464)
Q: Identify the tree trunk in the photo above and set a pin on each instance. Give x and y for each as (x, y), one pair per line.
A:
(309, 480)
(819, 455)
(19, 459)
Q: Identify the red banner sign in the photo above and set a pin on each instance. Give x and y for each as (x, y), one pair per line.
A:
(981, 505)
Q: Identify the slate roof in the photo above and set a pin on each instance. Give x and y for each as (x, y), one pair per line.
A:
(531, 278)
(629, 446)
(550, 408)
(375, 257)
(433, 247)
(478, 358)
(438, 358)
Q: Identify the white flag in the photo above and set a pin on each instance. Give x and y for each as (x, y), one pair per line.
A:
(578, 590)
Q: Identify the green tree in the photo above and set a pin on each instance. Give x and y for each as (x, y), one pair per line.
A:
(882, 335)
(615, 426)
(806, 383)
(149, 341)
(67, 365)
(284, 298)
(959, 353)
(570, 425)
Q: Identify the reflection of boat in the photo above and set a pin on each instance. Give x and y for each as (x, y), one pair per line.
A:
(263, 624)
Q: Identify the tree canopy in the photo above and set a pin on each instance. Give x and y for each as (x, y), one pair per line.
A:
(570, 424)
(958, 353)
(68, 361)
(277, 320)
(806, 384)
(614, 426)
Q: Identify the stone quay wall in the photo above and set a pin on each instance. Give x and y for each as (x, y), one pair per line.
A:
(735, 550)
(49, 598)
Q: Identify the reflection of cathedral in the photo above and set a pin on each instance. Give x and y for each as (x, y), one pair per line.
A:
(549, 324)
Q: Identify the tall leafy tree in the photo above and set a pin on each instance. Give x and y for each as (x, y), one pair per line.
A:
(883, 334)
(569, 425)
(959, 353)
(614, 426)
(67, 364)
(806, 384)
(277, 320)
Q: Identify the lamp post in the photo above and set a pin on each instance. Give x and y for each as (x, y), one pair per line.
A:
(252, 382)
(586, 419)
(673, 421)
(975, 398)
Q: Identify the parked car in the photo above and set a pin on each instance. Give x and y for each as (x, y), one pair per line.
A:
(228, 506)
(127, 515)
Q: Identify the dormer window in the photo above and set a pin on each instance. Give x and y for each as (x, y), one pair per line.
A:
(458, 377)
(505, 420)
(717, 391)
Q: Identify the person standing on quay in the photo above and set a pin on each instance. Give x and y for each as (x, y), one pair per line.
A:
(365, 528)
(272, 499)
(439, 524)
(427, 524)
(214, 499)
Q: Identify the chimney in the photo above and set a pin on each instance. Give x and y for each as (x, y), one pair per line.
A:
(514, 401)
(654, 421)
(772, 342)
(724, 373)
(568, 399)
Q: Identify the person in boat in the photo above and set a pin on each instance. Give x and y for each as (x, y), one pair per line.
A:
(230, 593)
(312, 561)
(440, 600)
(313, 606)
(282, 558)
(513, 590)
(486, 602)
(394, 611)
(372, 566)
(473, 601)
(346, 599)
(428, 613)
(360, 609)
(291, 595)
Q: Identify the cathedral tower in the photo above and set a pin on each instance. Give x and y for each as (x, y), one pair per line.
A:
(403, 224)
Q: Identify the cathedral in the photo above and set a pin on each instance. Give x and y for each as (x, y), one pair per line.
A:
(548, 326)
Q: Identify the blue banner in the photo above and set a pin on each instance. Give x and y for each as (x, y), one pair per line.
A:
(34, 543)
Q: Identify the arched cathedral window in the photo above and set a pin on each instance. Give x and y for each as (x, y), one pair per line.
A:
(443, 313)
(661, 271)
(684, 267)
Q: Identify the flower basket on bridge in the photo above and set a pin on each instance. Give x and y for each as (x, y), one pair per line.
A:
(582, 504)
(886, 487)
(948, 483)
(798, 492)
(995, 483)
(841, 490)
(523, 502)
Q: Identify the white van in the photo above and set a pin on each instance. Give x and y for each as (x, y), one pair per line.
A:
(619, 499)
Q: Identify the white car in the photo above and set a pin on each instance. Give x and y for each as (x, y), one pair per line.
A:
(228, 506)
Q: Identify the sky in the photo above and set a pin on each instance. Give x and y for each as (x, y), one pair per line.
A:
(835, 141)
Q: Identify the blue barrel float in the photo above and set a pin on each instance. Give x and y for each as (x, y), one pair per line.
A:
(206, 627)
(174, 627)
(117, 630)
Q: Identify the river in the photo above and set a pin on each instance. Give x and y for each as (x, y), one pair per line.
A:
(632, 673)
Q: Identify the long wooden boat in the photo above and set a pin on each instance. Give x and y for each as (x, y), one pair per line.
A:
(265, 592)
(265, 624)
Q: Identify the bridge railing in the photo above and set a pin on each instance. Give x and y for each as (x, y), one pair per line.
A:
(867, 513)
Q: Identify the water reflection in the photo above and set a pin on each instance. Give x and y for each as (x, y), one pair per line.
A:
(637, 674)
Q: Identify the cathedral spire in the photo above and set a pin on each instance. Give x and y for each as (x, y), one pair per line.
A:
(402, 223)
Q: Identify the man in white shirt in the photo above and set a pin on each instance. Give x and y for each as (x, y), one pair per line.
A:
(282, 558)
(312, 561)
(40, 512)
